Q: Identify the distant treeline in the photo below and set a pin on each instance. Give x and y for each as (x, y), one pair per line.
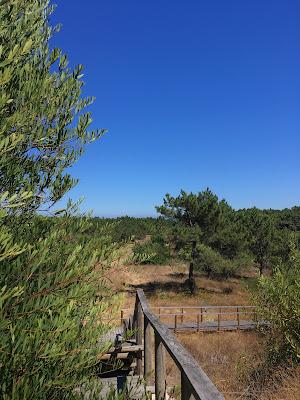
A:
(139, 227)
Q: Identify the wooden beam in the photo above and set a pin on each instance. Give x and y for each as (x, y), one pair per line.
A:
(186, 390)
(160, 369)
(201, 386)
(148, 350)
(139, 337)
(125, 349)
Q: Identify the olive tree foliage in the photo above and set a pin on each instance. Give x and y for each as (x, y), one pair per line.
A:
(53, 283)
(42, 127)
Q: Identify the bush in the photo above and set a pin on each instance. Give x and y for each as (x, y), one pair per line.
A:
(213, 264)
(279, 303)
(152, 252)
(53, 295)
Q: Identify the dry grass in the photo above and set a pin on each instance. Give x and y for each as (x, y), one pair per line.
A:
(226, 357)
(284, 384)
(165, 285)
(230, 359)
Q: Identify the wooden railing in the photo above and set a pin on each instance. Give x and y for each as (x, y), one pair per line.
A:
(194, 382)
(239, 316)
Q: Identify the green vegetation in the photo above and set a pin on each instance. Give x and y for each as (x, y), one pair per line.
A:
(154, 251)
(279, 301)
(228, 241)
(53, 289)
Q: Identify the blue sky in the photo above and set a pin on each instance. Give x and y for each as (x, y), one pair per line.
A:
(194, 94)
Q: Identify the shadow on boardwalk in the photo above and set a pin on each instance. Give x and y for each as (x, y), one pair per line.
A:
(157, 286)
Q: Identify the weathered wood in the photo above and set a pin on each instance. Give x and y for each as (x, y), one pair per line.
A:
(198, 307)
(139, 336)
(238, 317)
(186, 390)
(160, 369)
(147, 350)
(125, 349)
(212, 326)
(116, 356)
(201, 386)
(207, 313)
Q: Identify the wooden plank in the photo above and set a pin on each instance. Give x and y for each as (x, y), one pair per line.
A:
(201, 385)
(198, 307)
(139, 337)
(212, 326)
(126, 349)
(207, 313)
(186, 390)
(115, 356)
(148, 350)
(160, 368)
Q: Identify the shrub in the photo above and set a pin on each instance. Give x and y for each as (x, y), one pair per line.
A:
(53, 295)
(279, 302)
(152, 252)
(213, 264)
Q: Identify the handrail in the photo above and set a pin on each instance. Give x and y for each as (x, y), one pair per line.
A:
(204, 307)
(186, 314)
(194, 382)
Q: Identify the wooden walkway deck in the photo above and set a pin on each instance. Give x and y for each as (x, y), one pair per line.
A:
(213, 326)
(153, 328)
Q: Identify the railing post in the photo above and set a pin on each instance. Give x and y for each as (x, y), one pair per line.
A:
(219, 321)
(255, 316)
(198, 323)
(147, 349)
(160, 369)
(201, 310)
(139, 336)
(175, 323)
(122, 317)
(186, 393)
(238, 317)
(182, 315)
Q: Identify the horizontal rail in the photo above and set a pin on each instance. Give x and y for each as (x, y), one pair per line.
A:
(196, 307)
(207, 313)
(194, 381)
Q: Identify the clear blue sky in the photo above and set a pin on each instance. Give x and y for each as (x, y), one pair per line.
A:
(194, 94)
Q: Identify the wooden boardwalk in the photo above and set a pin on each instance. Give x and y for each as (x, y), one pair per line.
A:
(152, 330)
(213, 326)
